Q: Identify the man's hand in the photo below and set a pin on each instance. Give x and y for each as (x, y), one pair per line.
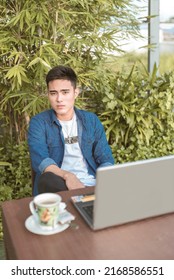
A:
(72, 181)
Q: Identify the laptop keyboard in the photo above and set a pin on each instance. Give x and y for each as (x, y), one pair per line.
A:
(89, 210)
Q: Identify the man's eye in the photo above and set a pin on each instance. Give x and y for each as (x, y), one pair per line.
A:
(65, 92)
(53, 93)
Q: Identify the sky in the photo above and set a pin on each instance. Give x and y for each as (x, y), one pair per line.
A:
(166, 12)
(166, 9)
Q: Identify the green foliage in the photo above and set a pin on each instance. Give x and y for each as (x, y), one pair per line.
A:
(138, 115)
(15, 173)
(15, 178)
(38, 34)
(125, 62)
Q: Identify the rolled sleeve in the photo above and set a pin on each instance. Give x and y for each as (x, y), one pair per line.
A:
(105, 164)
(45, 163)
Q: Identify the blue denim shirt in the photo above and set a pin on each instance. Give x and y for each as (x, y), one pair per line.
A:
(46, 142)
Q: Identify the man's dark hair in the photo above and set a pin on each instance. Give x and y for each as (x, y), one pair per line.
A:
(62, 73)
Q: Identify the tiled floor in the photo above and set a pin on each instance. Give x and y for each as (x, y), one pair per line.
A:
(2, 251)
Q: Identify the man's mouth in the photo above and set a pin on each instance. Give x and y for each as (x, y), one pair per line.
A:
(60, 106)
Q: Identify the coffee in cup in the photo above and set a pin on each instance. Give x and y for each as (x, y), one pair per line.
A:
(45, 209)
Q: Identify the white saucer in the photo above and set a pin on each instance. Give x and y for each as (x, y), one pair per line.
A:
(33, 227)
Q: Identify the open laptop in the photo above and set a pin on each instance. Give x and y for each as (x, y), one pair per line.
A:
(129, 192)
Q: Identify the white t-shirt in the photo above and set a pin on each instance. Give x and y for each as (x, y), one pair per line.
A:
(73, 160)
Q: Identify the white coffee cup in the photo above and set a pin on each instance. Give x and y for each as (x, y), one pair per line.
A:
(45, 209)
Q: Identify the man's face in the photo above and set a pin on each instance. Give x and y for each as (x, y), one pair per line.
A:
(62, 95)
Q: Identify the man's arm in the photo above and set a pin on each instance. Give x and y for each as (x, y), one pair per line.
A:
(39, 153)
(102, 151)
(72, 182)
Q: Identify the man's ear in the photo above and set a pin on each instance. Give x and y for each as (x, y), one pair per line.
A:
(77, 92)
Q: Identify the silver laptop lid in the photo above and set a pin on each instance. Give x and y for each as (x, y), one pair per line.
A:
(133, 191)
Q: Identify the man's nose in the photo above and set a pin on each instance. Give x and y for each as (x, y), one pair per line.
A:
(59, 97)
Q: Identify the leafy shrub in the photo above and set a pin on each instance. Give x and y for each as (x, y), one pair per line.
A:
(15, 178)
(138, 115)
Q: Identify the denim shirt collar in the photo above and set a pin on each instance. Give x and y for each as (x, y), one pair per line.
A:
(54, 119)
(80, 122)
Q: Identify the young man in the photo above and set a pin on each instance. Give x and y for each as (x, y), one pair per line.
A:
(66, 144)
